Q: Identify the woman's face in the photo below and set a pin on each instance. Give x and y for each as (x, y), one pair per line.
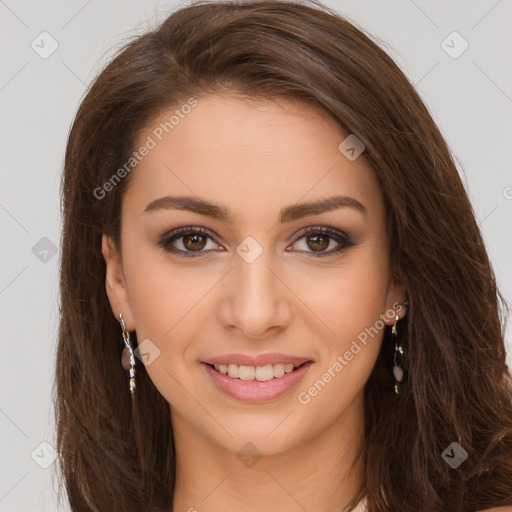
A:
(252, 177)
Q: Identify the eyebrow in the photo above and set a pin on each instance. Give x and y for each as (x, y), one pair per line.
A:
(287, 214)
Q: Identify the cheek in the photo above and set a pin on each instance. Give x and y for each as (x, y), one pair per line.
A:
(164, 305)
(169, 300)
(351, 297)
(160, 290)
(155, 300)
(161, 300)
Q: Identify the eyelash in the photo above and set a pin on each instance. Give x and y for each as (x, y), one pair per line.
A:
(178, 233)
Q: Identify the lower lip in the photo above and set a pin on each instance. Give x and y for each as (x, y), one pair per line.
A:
(255, 391)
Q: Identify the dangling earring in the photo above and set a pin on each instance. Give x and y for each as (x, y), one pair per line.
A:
(398, 371)
(126, 339)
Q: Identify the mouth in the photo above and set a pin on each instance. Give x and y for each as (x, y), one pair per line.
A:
(256, 384)
(257, 373)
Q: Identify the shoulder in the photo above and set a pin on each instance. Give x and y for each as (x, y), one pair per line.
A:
(498, 509)
(361, 507)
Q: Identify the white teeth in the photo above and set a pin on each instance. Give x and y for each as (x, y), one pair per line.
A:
(278, 370)
(233, 371)
(260, 373)
(264, 373)
(246, 372)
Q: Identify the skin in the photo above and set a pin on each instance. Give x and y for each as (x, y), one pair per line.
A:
(255, 158)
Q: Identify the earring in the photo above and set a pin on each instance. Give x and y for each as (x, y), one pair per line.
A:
(126, 339)
(398, 371)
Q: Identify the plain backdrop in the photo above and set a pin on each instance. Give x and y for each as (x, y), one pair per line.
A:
(50, 52)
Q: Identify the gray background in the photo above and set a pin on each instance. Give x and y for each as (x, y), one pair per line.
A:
(470, 97)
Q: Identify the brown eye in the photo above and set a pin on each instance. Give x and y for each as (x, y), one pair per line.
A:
(187, 241)
(194, 242)
(318, 242)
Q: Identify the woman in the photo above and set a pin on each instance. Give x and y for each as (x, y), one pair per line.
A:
(259, 209)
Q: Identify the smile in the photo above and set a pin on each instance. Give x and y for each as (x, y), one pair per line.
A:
(259, 373)
(256, 384)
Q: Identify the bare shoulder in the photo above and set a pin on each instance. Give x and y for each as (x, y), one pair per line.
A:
(498, 509)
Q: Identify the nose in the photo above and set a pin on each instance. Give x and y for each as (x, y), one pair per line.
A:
(255, 299)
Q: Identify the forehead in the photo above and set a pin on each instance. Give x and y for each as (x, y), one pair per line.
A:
(255, 156)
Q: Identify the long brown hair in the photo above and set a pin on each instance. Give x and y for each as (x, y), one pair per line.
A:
(118, 457)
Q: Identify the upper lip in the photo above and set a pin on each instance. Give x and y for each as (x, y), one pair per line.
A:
(257, 360)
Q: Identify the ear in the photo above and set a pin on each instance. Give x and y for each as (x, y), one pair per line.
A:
(395, 295)
(115, 284)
